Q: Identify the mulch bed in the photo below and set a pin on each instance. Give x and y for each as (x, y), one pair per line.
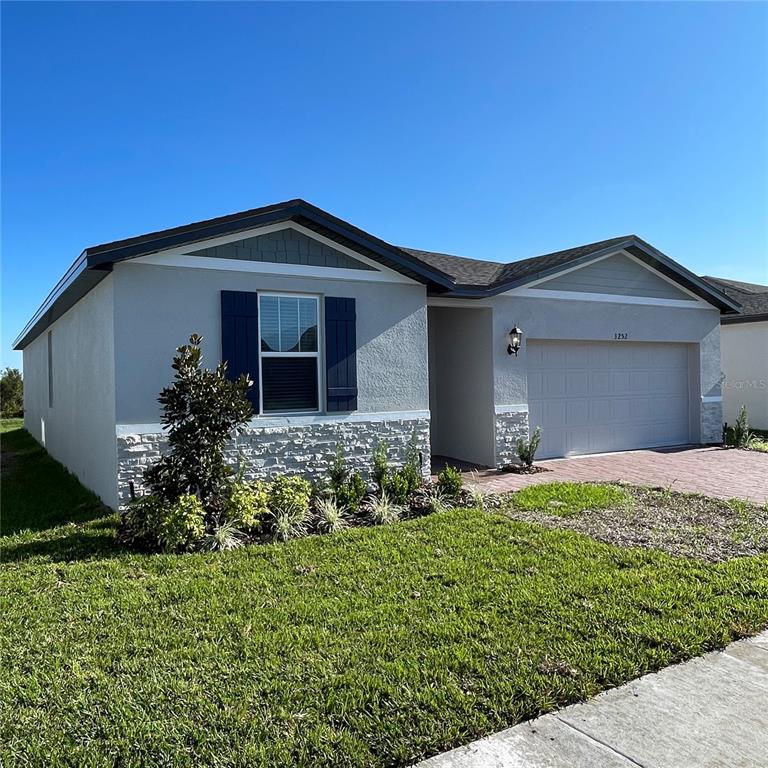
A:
(520, 469)
(682, 524)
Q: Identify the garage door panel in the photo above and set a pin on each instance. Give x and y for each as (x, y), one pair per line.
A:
(577, 383)
(593, 397)
(577, 413)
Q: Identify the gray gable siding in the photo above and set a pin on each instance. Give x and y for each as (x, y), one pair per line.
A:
(286, 246)
(616, 274)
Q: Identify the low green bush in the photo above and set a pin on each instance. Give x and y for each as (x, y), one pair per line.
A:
(247, 504)
(290, 494)
(526, 449)
(348, 488)
(449, 482)
(140, 523)
(182, 524)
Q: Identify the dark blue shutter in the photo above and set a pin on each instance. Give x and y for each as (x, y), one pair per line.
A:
(240, 338)
(340, 354)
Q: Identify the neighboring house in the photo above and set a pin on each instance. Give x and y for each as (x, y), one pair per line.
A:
(352, 339)
(744, 342)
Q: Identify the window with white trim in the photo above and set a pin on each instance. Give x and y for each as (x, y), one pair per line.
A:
(290, 359)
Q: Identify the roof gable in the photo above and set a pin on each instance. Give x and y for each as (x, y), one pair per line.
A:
(283, 246)
(617, 274)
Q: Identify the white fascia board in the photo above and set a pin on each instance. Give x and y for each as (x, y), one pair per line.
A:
(543, 293)
(183, 257)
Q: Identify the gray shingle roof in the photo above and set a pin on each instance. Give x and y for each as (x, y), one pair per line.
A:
(490, 273)
(752, 297)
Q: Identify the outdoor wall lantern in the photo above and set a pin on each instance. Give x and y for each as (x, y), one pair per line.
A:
(515, 340)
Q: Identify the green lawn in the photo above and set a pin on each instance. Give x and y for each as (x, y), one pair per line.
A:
(567, 499)
(371, 647)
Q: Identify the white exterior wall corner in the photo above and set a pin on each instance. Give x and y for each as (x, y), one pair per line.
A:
(79, 429)
(577, 320)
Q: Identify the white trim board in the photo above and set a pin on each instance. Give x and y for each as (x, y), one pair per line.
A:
(543, 293)
(268, 268)
(125, 430)
(180, 257)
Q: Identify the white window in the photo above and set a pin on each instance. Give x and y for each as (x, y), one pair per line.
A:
(289, 359)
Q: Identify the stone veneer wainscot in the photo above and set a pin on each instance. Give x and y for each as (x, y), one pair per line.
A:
(301, 445)
(511, 425)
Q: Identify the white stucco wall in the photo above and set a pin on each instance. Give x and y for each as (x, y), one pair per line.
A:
(158, 307)
(461, 384)
(744, 348)
(571, 319)
(78, 429)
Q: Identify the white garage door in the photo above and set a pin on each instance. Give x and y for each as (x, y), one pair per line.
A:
(592, 397)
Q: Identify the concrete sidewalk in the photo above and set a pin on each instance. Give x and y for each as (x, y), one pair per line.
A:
(711, 712)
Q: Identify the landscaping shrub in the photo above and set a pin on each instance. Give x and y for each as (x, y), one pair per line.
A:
(201, 410)
(289, 523)
(526, 449)
(402, 483)
(140, 523)
(224, 537)
(381, 510)
(429, 499)
(290, 494)
(331, 516)
(348, 488)
(380, 466)
(739, 435)
(181, 526)
(246, 504)
(449, 482)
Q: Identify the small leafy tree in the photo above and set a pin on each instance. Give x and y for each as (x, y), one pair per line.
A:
(201, 410)
(526, 449)
(11, 393)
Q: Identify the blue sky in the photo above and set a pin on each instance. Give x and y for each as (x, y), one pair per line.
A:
(497, 131)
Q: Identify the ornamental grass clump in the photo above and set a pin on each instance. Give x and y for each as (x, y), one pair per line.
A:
(224, 537)
(330, 517)
(381, 510)
(289, 507)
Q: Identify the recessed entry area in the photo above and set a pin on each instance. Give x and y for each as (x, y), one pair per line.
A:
(461, 384)
(595, 397)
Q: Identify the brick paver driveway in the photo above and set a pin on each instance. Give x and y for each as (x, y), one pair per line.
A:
(720, 472)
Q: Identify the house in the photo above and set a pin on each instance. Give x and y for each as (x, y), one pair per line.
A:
(352, 339)
(744, 342)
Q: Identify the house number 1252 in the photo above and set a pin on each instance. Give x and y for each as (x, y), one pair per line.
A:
(620, 336)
